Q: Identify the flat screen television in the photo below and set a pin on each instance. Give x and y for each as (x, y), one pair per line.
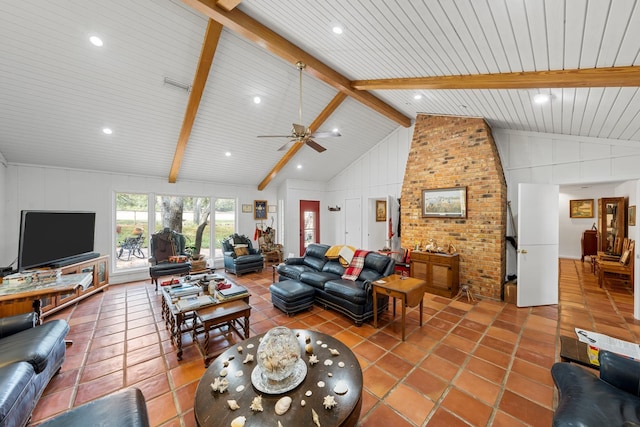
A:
(55, 238)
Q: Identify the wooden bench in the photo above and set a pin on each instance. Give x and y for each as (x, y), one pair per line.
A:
(623, 267)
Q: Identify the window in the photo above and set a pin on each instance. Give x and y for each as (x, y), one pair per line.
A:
(132, 230)
(189, 216)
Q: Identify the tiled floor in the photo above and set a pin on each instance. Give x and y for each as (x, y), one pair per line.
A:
(479, 364)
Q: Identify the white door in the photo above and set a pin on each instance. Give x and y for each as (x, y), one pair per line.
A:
(353, 223)
(393, 215)
(538, 231)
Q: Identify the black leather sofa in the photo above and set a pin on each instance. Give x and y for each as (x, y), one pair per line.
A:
(29, 357)
(239, 255)
(352, 298)
(586, 400)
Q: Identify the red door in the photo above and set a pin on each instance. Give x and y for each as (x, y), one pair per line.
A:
(309, 223)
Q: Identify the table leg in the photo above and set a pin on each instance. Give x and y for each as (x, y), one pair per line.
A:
(420, 312)
(375, 308)
(404, 312)
(246, 326)
(394, 306)
(178, 332)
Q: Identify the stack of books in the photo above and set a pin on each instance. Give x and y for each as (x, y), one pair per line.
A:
(195, 302)
(233, 292)
(183, 291)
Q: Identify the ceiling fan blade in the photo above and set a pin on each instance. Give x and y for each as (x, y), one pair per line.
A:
(287, 145)
(319, 148)
(274, 136)
(325, 134)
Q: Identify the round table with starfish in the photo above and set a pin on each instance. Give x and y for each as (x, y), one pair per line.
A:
(322, 390)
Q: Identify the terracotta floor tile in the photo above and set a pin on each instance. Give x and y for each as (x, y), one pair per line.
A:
(186, 373)
(161, 409)
(52, 404)
(525, 410)
(394, 365)
(101, 368)
(409, 402)
(378, 381)
(99, 387)
(486, 370)
(440, 367)
(467, 407)
(532, 390)
(426, 383)
(409, 352)
(478, 387)
(368, 350)
(383, 416)
(444, 418)
(149, 368)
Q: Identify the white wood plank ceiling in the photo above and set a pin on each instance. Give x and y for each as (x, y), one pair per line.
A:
(57, 91)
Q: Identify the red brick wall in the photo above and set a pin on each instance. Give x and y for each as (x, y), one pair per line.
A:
(459, 152)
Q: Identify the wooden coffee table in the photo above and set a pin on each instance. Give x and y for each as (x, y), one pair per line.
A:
(235, 314)
(408, 289)
(211, 409)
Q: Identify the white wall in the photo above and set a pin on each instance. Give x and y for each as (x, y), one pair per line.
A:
(6, 258)
(37, 187)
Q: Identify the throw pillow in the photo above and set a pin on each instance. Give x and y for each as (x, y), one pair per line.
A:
(241, 251)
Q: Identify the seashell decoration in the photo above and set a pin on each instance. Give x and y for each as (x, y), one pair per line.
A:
(329, 402)
(256, 404)
(225, 363)
(233, 405)
(283, 404)
(324, 345)
(328, 362)
(239, 373)
(341, 364)
(334, 352)
(223, 372)
(250, 346)
(341, 387)
(307, 339)
(308, 348)
(248, 359)
(240, 349)
(303, 402)
(320, 384)
(319, 342)
(279, 424)
(329, 374)
(308, 393)
(240, 388)
(313, 359)
(238, 421)
(219, 384)
(315, 417)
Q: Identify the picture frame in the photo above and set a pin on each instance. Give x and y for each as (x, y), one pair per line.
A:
(632, 215)
(273, 209)
(259, 209)
(581, 208)
(381, 210)
(444, 203)
(247, 208)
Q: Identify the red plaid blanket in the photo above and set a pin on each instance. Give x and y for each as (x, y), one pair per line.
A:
(355, 267)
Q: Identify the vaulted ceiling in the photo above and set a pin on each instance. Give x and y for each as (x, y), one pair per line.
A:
(485, 58)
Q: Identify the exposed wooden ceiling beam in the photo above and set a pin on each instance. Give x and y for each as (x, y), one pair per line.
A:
(209, 46)
(585, 77)
(240, 23)
(228, 4)
(324, 115)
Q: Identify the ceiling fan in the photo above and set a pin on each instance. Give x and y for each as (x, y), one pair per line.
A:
(301, 133)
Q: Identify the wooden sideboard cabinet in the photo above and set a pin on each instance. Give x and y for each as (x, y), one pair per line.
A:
(440, 271)
(99, 267)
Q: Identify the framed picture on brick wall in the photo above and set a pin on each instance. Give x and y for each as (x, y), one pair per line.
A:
(444, 203)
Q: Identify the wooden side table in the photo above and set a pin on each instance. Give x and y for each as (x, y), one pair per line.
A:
(409, 290)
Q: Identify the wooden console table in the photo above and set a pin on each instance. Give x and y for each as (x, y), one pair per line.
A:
(440, 271)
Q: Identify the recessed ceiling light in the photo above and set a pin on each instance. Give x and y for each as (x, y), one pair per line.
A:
(228, 154)
(96, 41)
(337, 29)
(417, 96)
(299, 166)
(257, 100)
(541, 98)
(336, 130)
(107, 131)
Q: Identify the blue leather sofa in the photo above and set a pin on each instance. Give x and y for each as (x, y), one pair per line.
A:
(585, 400)
(352, 298)
(29, 357)
(239, 255)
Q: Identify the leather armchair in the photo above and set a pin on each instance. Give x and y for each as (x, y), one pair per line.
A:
(586, 400)
(165, 244)
(239, 255)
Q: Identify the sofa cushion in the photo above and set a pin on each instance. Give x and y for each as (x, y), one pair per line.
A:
(34, 345)
(348, 290)
(16, 387)
(243, 250)
(249, 259)
(317, 279)
(334, 267)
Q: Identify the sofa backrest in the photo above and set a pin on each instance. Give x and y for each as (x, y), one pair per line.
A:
(376, 266)
(314, 256)
(229, 243)
(333, 266)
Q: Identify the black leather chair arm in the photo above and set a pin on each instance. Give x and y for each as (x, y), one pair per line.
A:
(620, 372)
(294, 261)
(232, 254)
(13, 324)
